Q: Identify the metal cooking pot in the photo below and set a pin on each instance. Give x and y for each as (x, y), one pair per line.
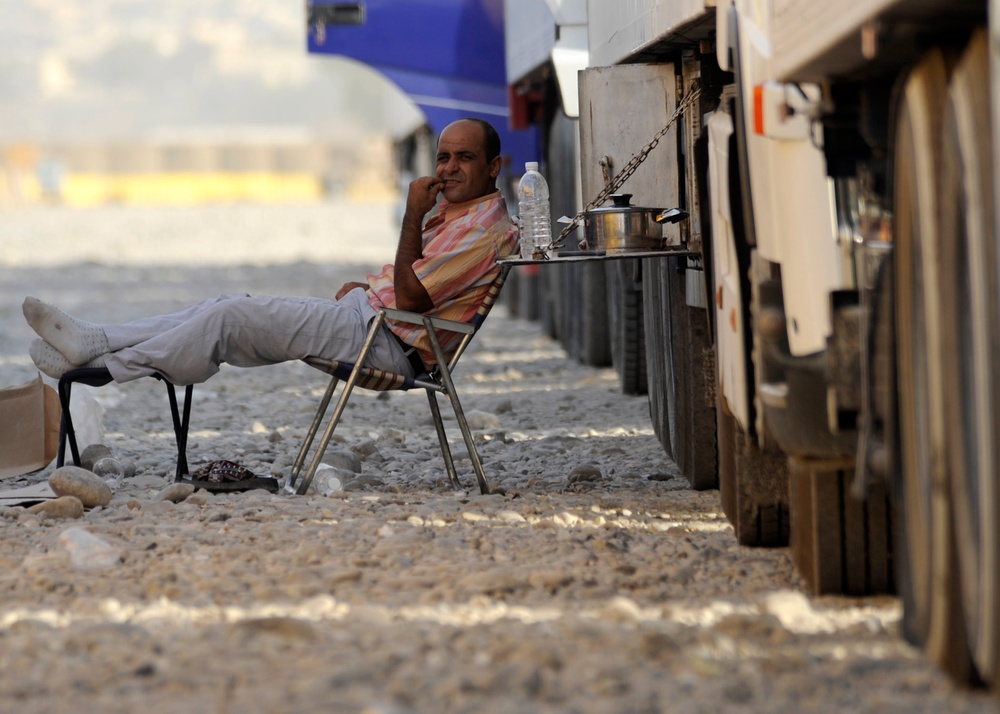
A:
(623, 227)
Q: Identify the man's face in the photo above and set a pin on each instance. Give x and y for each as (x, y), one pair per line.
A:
(462, 164)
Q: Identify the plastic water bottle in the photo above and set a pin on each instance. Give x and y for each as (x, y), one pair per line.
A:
(533, 205)
(111, 470)
(327, 480)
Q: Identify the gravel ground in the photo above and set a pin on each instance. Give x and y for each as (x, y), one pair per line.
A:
(598, 582)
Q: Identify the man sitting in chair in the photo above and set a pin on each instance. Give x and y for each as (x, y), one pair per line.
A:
(443, 268)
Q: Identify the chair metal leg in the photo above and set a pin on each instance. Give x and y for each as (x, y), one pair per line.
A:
(324, 441)
(477, 464)
(310, 435)
(341, 405)
(449, 463)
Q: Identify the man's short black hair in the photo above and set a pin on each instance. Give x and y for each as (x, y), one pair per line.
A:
(491, 140)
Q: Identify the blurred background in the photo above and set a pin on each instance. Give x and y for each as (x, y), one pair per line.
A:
(186, 102)
(156, 153)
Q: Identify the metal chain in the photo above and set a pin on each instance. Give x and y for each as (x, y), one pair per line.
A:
(630, 167)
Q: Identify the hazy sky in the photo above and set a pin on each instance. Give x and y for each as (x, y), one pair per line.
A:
(89, 69)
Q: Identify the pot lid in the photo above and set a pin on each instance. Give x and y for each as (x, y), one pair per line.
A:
(621, 203)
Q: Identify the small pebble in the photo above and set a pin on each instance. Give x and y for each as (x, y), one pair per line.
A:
(482, 420)
(510, 516)
(92, 454)
(585, 473)
(175, 492)
(198, 498)
(62, 507)
(344, 460)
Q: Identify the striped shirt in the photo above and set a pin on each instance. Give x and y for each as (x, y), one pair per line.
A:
(461, 245)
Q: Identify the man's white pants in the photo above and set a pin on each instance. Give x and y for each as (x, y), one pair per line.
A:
(188, 346)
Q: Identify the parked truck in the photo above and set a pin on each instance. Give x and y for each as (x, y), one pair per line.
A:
(818, 337)
(815, 338)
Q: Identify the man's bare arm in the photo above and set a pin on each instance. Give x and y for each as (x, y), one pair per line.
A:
(410, 293)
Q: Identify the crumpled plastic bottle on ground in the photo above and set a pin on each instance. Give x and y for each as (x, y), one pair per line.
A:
(327, 480)
(111, 470)
(87, 551)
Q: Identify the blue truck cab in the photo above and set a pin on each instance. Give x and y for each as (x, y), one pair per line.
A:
(447, 56)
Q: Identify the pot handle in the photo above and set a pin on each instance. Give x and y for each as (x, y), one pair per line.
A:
(671, 215)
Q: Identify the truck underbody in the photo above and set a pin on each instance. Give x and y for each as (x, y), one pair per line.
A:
(818, 341)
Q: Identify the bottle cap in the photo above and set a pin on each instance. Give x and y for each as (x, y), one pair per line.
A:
(531, 166)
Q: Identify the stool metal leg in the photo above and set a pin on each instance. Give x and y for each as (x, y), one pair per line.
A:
(181, 425)
(66, 430)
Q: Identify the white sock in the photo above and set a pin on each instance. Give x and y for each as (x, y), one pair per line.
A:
(79, 341)
(52, 362)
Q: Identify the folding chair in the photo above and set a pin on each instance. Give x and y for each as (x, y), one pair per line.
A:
(99, 377)
(437, 380)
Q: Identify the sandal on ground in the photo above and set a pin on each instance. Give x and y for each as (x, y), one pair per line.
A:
(225, 476)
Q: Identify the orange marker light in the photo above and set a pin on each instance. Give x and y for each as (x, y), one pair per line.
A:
(758, 109)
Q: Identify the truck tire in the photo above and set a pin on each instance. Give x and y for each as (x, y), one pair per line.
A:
(508, 298)
(562, 160)
(659, 370)
(625, 322)
(565, 308)
(971, 315)
(570, 309)
(693, 363)
(595, 341)
(680, 367)
(548, 307)
(928, 581)
(528, 292)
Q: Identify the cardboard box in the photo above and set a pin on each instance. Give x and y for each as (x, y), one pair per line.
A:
(29, 427)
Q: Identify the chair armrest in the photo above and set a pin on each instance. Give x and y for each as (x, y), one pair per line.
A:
(415, 318)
